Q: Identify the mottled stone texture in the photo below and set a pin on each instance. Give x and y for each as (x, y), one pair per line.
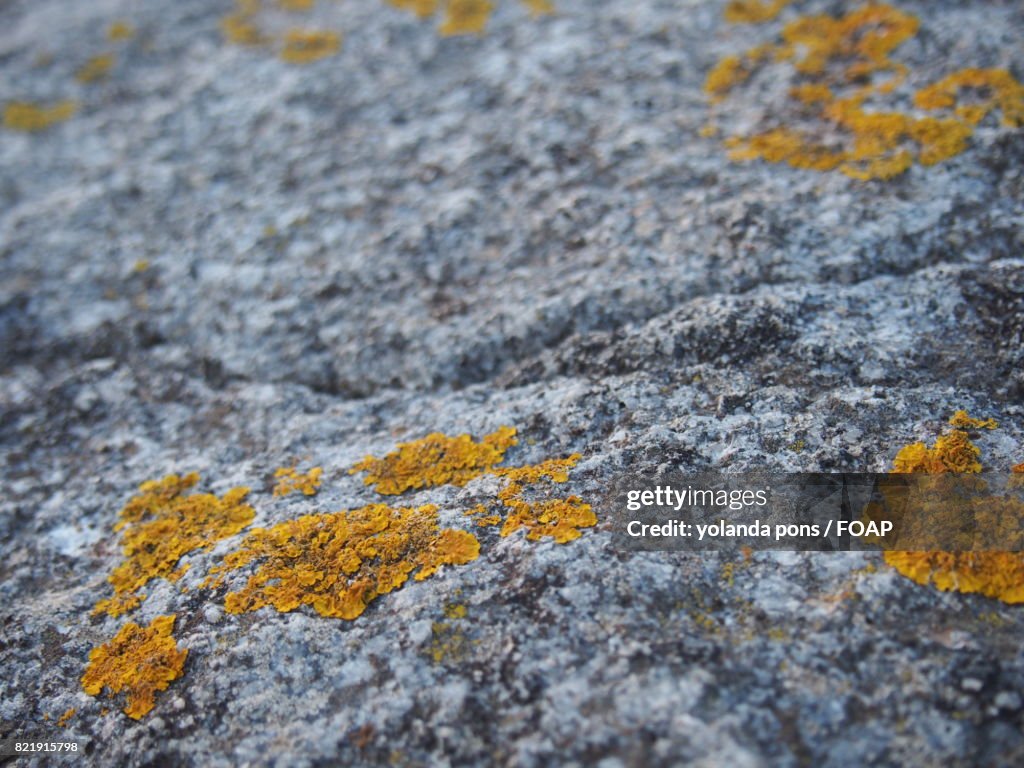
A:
(227, 264)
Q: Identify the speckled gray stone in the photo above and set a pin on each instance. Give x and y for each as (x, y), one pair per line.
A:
(425, 234)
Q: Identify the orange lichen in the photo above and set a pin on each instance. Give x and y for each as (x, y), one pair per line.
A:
(140, 661)
(993, 574)
(338, 563)
(449, 643)
(841, 63)
(732, 71)
(63, 719)
(160, 525)
(729, 72)
(442, 460)
(481, 516)
(812, 93)
(753, 11)
(289, 480)
(422, 8)
(784, 145)
(859, 42)
(953, 452)
(119, 31)
(1002, 89)
(962, 420)
(554, 470)
(1016, 476)
(539, 7)
(990, 573)
(302, 46)
(466, 17)
(28, 117)
(559, 519)
(96, 68)
(879, 136)
(456, 611)
(435, 460)
(296, 5)
(241, 28)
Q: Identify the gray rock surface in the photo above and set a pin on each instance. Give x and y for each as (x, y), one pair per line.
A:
(426, 234)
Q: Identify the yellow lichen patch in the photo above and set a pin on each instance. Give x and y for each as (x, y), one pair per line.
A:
(539, 7)
(339, 562)
(487, 521)
(962, 420)
(63, 719)
(753, 11)
(456, 611)
(28, 117)
(990, 573)
(841, 63)
(1016, 476)
(993, 574)
(555, 470)
(119, 604)
(96, 68)
(998, 88)
(732, 71)
(241, 28)
(296, 5)
(422, 8)
(303, 46)
(441, 460)
(812, 93)
(953, 452)
(559, 519)
(139, 661)
(435, 460)
(449, 643)
(483, 520)
(785, 146)
(161, 524)
(465, 17)
(729, 72)
(859, 42)
(119, 31)
(289, 480)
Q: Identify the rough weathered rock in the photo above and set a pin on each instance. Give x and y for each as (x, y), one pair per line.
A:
(226, 264)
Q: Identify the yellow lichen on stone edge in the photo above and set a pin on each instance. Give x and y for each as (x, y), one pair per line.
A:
(139, 661)
(338, 563)
(290, 480)
(998, 575)
(435, 460)
(833, 54)
(753, 11)
(160, 525)
(30, 118)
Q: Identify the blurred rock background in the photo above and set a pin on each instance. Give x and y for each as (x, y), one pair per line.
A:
(226, 263)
